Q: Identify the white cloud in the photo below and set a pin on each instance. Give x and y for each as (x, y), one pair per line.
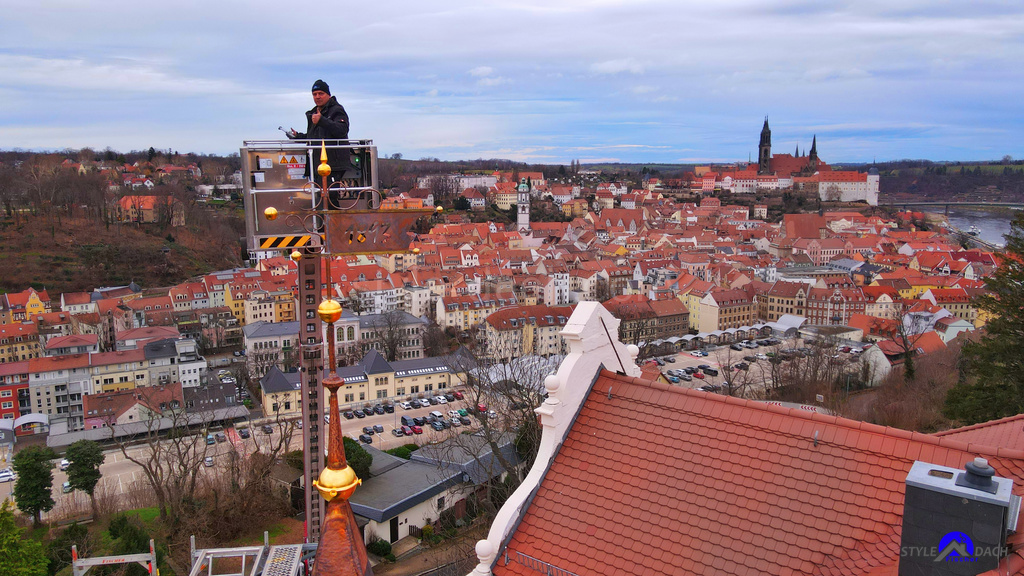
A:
(618, 66)
(493, 81)
(643, 89)
(482, 71)
(431, 93)
(75, 74)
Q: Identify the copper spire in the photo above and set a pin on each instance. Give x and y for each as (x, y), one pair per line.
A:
(341, 551)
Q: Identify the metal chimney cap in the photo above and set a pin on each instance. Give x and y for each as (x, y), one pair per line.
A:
(978, 476)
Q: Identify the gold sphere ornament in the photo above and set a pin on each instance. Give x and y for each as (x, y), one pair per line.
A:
(333, 483)
(439, 209)
(270, 213)
(415, 250)
(329, 311)
(296, 255)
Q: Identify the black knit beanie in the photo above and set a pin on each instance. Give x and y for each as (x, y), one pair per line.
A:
(322, 86)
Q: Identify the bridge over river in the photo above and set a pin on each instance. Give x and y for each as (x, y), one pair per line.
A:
(946, 205)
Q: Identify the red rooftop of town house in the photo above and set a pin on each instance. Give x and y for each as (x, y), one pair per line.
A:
(709, 484)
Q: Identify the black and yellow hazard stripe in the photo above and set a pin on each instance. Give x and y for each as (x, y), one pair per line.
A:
(281, 242)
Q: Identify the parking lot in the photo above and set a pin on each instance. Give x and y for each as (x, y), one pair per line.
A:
(714, 366)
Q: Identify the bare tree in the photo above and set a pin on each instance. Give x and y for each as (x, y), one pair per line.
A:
(388, 331)
(11, 189)
(444, 189)
(509, 392)
(435, 341)
(832, 193)
(171, 462)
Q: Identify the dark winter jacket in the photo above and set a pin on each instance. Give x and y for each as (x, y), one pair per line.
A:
(333, 125)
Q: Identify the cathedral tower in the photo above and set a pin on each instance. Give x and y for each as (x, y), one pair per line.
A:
(764, 150)
(812, 160)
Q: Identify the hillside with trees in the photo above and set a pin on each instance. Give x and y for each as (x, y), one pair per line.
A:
(61, 229)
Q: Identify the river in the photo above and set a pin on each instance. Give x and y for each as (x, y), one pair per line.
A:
(992, 223)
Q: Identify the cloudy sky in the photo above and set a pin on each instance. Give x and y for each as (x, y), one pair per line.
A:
(532, 80)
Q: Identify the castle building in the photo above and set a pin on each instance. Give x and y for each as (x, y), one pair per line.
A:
(805, 171)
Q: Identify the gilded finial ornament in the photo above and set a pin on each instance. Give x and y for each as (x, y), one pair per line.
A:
(296, 255)
(270, 213)
(324, 169)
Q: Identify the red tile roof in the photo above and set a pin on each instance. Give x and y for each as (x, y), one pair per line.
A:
(734, 487)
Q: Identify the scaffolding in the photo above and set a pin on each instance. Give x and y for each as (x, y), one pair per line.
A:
(265, 560)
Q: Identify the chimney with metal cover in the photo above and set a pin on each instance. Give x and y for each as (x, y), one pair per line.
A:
(955, 522)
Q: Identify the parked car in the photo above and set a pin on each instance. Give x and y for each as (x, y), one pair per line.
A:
(761, 356)
(397, 432)
(441, 399)
(436, 425)
(419, 420)
(432, 401)
(750, 359)
(358, 414)
(742, 366)
(673, 379)
(449, 397)
(378, 428)
(406, 406)
(698, 375)
(64, 463)
(210, 440)
(407, 430)
(463, 412)
(368, 430)
(7, 475)
(455, 421)
(221, 437)
(389, 408)
(711, 372)
(243, 433)
(378, 409)
(703, 366)
(407, 421)
(453, 413)
(416, 429)
(458, 395)
(686, 378)
(465, 420)
(366, 439)
(670, 359)
(208, 461)
(659, 361)
(481, 407)
(267, 429)
(66, 487)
